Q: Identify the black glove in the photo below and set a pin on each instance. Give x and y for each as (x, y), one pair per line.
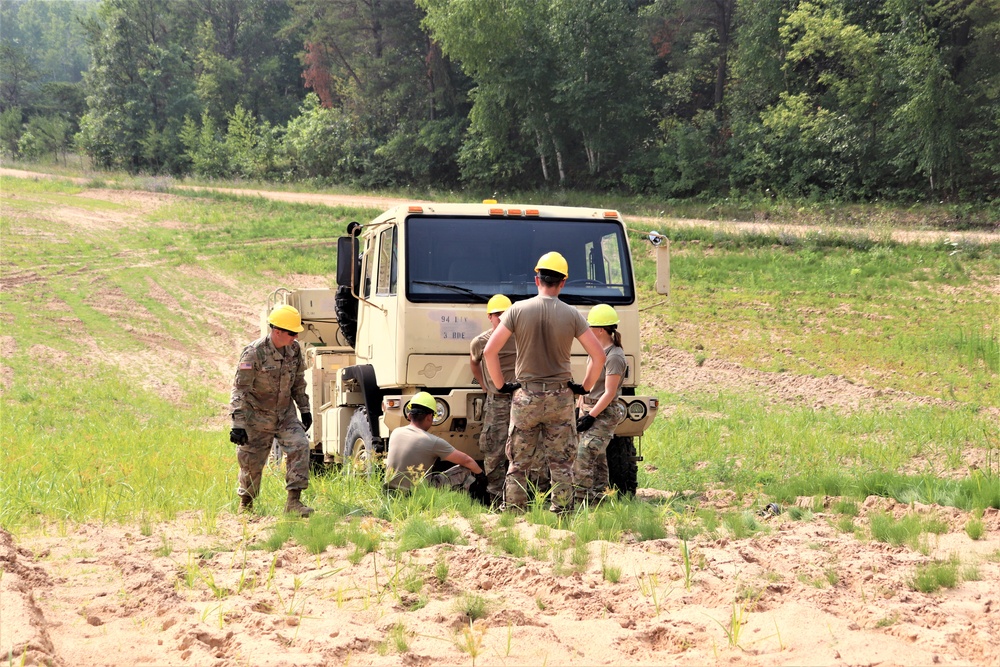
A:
(577, 388)
(584, 423)
(307, 420)
(509, 387)
(238, 436)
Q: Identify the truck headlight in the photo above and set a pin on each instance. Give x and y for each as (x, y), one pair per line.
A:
(636, 411)
(441, 415)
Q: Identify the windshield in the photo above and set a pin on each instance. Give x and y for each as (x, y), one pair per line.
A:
(468, 260)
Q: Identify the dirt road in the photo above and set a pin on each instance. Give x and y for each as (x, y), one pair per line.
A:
(664, 223)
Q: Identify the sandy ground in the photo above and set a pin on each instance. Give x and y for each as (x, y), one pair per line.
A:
(802, 594)
(191, 592)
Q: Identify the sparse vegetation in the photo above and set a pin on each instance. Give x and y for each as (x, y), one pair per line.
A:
(974, 528)
(112, 466)
(929, 577)
(472, 606)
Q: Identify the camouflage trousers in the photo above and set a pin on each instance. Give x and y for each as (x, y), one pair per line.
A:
(493, 441)
(590, 470)
(542, 435)
(455, 477)
(252, 456)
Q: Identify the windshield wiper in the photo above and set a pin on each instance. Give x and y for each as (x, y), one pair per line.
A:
(464, 290)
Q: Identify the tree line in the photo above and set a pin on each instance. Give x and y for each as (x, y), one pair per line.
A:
(835, 99)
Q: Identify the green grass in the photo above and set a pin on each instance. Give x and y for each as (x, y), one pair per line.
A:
(88, 434)
(419, 532)
(908, 529)
(745, 444)
(915, 318)
(975, 528)
(930, 577)
(472, 606)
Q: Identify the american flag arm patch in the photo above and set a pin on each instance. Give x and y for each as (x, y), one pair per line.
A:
(246, 366)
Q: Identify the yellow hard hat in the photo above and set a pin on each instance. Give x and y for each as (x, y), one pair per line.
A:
(602, 315)
(553, 261)
(285, 317)
(424, 400)
(497, 304)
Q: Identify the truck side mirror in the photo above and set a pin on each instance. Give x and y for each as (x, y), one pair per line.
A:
(346, 261)
(662, 245)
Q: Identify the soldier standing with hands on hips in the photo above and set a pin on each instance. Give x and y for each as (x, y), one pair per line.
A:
(270, 382)
(542, 420)
(496, 415)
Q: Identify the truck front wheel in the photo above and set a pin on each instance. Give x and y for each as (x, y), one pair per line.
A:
(359, 449)
(623, 470)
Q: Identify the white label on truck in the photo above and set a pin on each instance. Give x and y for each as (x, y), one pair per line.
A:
(456, 327)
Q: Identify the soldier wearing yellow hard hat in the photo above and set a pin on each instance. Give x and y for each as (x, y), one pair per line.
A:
(544, 329)
(496, 415)
(413, 451)
(601, 410)
(270, 382)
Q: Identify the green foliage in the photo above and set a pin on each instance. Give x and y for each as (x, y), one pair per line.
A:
(975, 528)
(932, 576)
(814, 100)
(906, 530)
(419, 532)
(11, 127)
(584, 55)
(319, 143)
(472, 606)
(741, 525)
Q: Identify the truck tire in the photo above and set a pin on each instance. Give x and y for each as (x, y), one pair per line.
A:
(623, 470)
(359, 449)
(346, 308)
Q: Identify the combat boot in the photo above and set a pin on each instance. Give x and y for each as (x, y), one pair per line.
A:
(294, 504)
(246, 505)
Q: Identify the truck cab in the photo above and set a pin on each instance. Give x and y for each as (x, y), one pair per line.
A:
(412, 287)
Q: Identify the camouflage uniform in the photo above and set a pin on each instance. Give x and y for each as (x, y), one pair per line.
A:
(590, 471)
(543, 436)
(493, 441)
(496, 414)
(542, 431)
(269, 383)
(456, 477)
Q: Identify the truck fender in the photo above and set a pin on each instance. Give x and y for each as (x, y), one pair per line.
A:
(364, 376)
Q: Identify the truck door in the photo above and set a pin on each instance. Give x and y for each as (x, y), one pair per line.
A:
(377, 327)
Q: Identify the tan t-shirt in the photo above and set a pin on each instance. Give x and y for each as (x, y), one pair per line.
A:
(615, 364)
(544, 329)
(409, 447)
(508, 355)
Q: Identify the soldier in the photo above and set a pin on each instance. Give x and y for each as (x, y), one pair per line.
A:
(413, 452)
(270, 382)
(541, 412)
(496, 415)
(602, 409)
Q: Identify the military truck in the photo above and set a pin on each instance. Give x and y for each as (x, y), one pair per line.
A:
(411, 291)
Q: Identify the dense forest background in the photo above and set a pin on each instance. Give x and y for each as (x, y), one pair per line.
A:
(849, 100)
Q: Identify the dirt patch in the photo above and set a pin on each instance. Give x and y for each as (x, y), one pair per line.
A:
(138, 202)
(676, 371)
(801, 592)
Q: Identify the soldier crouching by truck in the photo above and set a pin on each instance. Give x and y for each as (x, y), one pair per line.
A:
(269, 383)
(413, 452)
